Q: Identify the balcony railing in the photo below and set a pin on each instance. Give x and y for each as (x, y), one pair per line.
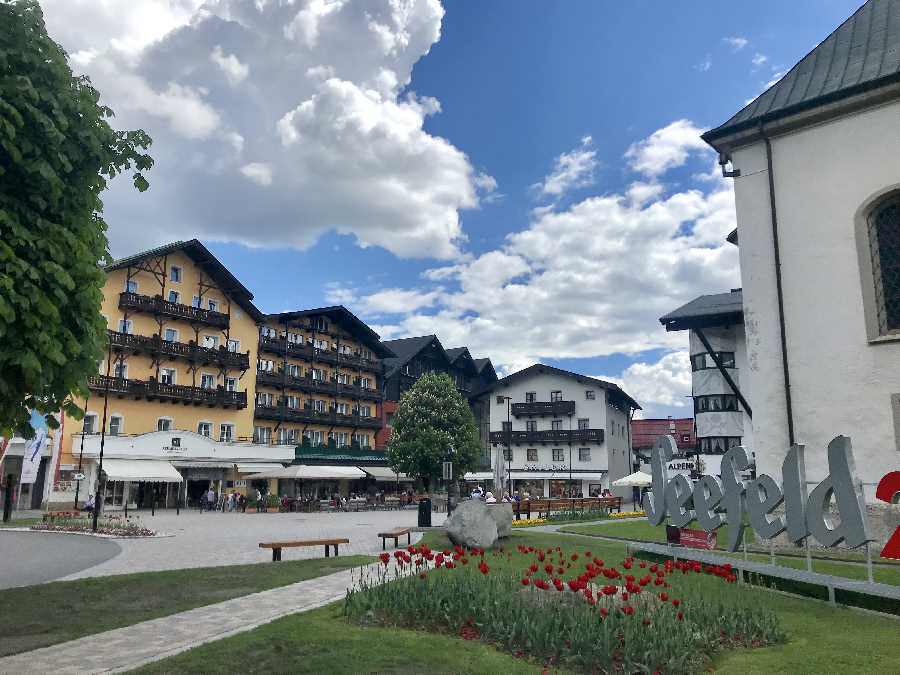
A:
(281, 346)
(153, 390)
(543, 408)
(190, 351)
(548, 436)
(308, 384)
(309, 415)
(160, 306)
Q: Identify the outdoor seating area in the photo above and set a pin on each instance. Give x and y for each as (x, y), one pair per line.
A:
(544, 507)
(276, 546)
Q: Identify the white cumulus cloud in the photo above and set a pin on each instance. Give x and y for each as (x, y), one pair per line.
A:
(665, 148)
(235, 71)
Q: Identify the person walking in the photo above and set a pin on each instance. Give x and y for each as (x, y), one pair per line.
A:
(211, 499)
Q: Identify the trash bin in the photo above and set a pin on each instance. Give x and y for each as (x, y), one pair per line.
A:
(425, 512)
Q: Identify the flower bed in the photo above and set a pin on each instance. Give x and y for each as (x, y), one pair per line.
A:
(628, 514)
(116, 526)
(529, 522)
(567, 609)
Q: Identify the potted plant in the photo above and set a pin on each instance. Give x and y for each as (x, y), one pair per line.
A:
(273, 503)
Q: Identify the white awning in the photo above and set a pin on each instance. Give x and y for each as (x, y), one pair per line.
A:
(385, 473)
(479, 475)
(636, 479)
(182, 464)
(147, 470)
(308, 472)
(257, 468)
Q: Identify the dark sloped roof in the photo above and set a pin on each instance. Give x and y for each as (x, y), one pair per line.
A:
(201, 256)
(455, 352)
(721, 309)
(861, 55)
(540, 368)
(405, 349)
(481, 363)
(343, 317)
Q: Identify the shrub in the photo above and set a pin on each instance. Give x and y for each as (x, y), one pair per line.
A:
(112, 525)
(569, 610)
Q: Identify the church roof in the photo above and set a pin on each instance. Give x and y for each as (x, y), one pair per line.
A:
(862, 54)
(719, 309)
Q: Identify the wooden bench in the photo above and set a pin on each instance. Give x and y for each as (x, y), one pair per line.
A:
(395, 534)
(276, 546)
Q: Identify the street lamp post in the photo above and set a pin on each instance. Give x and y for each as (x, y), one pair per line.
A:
(508, 445)
(81, 453)
(571, 496)
(98, 496)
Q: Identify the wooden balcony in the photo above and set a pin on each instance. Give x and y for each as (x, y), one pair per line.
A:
(307, 415)
(152, 390)
(543, 409)
(554, 436)
(281, 346)
(144, 344)
(308, 384)
(159, 306)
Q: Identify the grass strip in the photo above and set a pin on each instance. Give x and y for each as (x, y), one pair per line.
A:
(60, 611)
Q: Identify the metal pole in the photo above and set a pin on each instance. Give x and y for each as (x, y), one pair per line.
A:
(98, 497)
(772, 551)
(571, 497)
(869, 563)
(808, 557)
(81, 454)
(508, 445)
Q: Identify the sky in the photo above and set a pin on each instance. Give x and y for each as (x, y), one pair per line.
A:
(523, 178)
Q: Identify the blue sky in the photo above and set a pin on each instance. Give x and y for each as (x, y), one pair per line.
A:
(524, 176)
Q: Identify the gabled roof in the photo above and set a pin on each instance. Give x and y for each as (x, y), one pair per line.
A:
(405, 349)
(721, 309)
(204, 259)
(863, 54)
(480, 365)
(645, 432)
(459, 356)
(345, 318)
(540, 368)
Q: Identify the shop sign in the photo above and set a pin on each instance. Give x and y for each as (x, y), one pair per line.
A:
(714, 502)
(174, 447)
(545, 467)
(682, 466)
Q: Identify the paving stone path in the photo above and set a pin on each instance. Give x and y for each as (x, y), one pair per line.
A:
(133, 646)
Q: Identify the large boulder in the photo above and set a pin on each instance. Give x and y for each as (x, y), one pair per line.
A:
(472, 524)
(503, 515)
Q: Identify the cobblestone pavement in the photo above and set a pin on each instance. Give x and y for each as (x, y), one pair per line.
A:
(214, 539)
(133, 646)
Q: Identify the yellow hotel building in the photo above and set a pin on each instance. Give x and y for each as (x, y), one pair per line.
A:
(205, 390)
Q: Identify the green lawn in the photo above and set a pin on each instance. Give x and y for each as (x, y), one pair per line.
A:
(21, 522)
(47, 614)
(843, 564)
(820, 638)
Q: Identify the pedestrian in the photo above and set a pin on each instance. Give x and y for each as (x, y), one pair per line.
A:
(489, 498)
(259, 504)
(211, 499)
(243, 503)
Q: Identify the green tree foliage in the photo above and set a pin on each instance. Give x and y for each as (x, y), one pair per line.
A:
(57, 152)
(431, 418)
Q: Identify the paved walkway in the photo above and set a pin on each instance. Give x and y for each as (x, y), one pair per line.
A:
(36, 557)
(133, 646)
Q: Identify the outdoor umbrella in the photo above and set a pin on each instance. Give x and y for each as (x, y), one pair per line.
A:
(636, 479)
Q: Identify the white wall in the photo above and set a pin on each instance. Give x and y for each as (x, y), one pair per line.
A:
(840, 383)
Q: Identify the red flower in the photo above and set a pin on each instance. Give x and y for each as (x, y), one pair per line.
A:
(604, 611)
(574, 585)
(625, 596)
(598, 562)
(422, 575)
(642, 565)
(626, 564)
(385, 558)
(627, 609)
(483, 568)
(449, 565)
(587, 554)
(646, 621)
(464, 561)
(680, 616)
(525, 581)
(548, 568)
(560, 570)
(411, 549)
(533, 568)
(574, 557)
(676, 602)
(664, 596)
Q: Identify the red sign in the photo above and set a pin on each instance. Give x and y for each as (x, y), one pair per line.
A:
(697, 538)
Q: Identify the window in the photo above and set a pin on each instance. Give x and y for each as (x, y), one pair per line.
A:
(555, 396)
(205, 429)
(501, 400)
(164, 424)
(230, 384)
(175, 274)
(556, 425)
(195, 301)
(365, 383)
(319, 406)
(342, 439)
(313, 437)
(262, 434)
(558, 455)
(207, 381)
(234, 346)
(213, 305)
(174, 297)
(341, 408)
(125, 326)
(589, 394)
(211, 341)
(530, 396)
(716, 403)
(530, 425)
(131, 286)
(531, 454)
(584, 454)
(293, 370)
(170, 335)
(286, 436)
(292, 401)
(320, 324)
(317, 374)
(265, 365)
(507, 454)
(120, 369)
(89, 424)
(717, 445)
(365, 411)
(167, 376)
(265, 398)
(585, 423)
(115, 425)
(507, 426)
(884, 251)
(704, 361)
(226, 433)
(361, 440)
